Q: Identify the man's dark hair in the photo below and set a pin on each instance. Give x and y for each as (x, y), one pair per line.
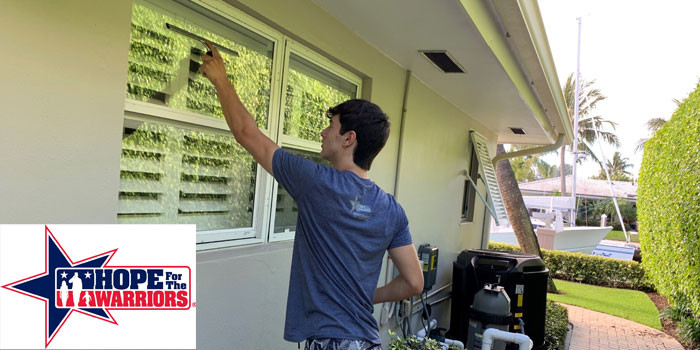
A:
(370, 124)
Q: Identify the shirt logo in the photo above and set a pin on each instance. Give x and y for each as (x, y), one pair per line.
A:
(359, 210)
(92, 287)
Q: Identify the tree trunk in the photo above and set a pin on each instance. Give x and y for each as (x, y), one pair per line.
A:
(517, 212)
(562, 170)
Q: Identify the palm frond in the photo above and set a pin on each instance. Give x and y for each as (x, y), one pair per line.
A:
(609, 138)
(654, 124)
(589, 152)
(639, 147)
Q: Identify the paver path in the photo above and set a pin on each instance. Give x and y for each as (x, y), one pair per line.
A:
(596, 330)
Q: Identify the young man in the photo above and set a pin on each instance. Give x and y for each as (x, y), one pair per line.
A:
(346, 222)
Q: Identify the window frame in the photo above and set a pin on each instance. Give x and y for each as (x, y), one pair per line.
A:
(294, 142)
(221, 237)
(266, 190)
(469, 198)
(148, 112)
(298, 49)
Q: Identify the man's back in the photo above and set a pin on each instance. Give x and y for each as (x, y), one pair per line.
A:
(345, 225)
(345, 221)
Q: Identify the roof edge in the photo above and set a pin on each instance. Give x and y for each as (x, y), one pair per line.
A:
(535, 25)
(483, 18)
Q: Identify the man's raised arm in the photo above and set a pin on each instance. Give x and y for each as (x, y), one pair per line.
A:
(237, 116)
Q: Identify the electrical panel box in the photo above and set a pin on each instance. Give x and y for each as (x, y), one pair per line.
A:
(428, 256)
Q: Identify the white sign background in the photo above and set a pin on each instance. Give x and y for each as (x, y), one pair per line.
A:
(22, 318)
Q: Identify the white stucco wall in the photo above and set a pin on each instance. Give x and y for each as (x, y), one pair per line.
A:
(435, 156)
(63, 77)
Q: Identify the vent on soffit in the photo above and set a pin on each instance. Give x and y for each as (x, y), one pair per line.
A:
(442, 60)
(517, 131)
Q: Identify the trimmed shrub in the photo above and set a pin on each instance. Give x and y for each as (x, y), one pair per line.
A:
(556, 322)
(589, 269)
(668, 206)
(689, 331)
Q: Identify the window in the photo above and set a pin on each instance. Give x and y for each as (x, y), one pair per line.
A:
(184, 176)
(163, 64)
(469, 191)
(285, 216)
(310, 91)
(179, 161)
(312, 86)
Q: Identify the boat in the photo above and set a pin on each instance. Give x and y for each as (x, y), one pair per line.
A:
(547, 214)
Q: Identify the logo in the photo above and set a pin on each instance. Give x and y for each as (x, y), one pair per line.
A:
(359, 210)
(93, 287)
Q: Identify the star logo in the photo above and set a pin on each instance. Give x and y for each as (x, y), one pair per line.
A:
(41, 286)
(354, 203)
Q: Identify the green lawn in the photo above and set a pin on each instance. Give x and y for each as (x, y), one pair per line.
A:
(620, 236)
(629, 304)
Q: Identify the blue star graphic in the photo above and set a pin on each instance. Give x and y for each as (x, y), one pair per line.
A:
(42, 286)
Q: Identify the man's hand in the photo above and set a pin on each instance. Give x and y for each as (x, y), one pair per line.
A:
(237, 116)
(213, 66)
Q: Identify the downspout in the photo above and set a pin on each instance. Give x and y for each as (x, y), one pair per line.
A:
(530, 151)
(401, 131)
(388, 273)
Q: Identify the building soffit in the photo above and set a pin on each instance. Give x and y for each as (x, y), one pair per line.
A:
(508, 82)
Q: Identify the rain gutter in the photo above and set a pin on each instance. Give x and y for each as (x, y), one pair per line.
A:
(535, 25)
(486, 22)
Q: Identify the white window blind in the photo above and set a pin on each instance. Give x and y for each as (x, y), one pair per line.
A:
(493, 200)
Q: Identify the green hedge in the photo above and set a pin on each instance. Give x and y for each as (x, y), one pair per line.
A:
(556, 325)
(668, 205)
(589, 269)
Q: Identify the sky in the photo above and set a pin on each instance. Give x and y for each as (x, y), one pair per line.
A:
(642, 54)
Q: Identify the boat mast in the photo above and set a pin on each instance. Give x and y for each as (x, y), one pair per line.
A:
(574, 149)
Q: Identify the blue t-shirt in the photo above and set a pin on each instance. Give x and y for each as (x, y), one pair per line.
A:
(345, 225)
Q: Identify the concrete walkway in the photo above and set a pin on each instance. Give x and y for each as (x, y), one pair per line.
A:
(596, 330)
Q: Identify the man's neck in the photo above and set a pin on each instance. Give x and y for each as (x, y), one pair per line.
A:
(349, 165)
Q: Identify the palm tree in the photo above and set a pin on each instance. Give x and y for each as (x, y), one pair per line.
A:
(617, 168)
(532, 167)
(653, 125)
(517, 212)
(619, 165)
(588, 99)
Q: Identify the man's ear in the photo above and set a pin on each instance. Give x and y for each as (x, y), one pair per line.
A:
(349, 138)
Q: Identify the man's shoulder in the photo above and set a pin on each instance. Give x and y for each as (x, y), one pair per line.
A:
(392, 205)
